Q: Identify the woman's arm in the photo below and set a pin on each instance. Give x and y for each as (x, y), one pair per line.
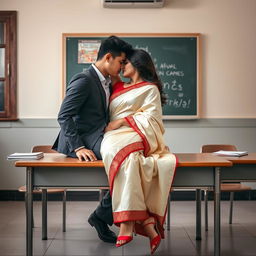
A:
(113, 125)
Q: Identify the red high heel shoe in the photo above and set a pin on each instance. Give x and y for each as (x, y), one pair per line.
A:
(155, 242)
(127, 239)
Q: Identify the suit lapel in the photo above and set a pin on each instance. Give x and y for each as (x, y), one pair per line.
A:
(99, 85)
(110, 91)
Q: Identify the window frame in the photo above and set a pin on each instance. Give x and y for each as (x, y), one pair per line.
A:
(9, 18)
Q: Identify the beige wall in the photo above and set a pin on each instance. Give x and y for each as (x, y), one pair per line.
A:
(229, 40)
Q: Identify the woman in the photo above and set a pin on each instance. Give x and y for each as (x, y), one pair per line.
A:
(139, 166)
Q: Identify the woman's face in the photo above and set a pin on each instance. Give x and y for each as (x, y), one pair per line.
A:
(128, 70)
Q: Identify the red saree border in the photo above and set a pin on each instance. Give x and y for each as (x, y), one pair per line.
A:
(176, 165)
(135, 86)
(133, 215)
(173, 177)
(119, 158)
(135, 127)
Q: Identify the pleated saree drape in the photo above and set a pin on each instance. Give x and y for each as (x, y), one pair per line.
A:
(140, 168)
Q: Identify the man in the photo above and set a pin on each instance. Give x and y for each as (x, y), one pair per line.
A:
(84, 115)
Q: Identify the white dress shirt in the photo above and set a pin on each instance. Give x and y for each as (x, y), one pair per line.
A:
(105, 82)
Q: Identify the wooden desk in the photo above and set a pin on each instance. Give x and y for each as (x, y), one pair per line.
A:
(56, 170)
(243, 169)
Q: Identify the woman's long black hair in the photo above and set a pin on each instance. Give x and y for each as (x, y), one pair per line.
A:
(142, 62)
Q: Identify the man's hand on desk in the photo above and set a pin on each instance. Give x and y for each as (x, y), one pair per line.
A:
(85, 154)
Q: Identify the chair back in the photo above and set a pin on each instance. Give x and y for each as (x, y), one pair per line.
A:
(44, 149)
(209, 148)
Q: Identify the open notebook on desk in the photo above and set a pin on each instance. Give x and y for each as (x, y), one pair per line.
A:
(35, 155)
(231, 153)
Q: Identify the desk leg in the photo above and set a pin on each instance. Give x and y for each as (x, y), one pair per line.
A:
(198, 214)
(168, 212)
(64, 210)
(29, 212)
(217, 212)
(44, 214)
(206, 209)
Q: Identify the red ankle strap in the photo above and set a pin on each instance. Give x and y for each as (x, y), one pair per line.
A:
(153, 223)
(123, 238)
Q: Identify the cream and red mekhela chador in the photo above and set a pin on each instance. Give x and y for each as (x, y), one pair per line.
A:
(140, 169)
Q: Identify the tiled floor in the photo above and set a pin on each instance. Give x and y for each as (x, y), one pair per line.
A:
(237, 239)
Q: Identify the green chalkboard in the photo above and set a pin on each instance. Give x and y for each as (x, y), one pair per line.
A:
(176, 57)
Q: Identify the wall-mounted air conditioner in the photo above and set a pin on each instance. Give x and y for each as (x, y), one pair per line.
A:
(133, 3)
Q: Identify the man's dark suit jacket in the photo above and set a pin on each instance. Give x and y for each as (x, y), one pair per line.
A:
(83, 114)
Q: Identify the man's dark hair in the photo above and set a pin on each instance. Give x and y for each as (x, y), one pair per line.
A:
(113, 45)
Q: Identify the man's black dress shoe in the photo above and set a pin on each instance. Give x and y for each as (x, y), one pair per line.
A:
(104, 233)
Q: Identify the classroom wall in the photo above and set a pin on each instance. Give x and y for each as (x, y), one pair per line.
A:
(228, 55)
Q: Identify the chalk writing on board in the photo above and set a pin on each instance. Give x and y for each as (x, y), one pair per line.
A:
(177, 61)
(145, 48)
(171, 76)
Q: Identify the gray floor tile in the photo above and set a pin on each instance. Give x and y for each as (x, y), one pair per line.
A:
(16, 246)
(251, 228)
(82, 246)
(235, 230)
(237, 246)
(81, 239)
